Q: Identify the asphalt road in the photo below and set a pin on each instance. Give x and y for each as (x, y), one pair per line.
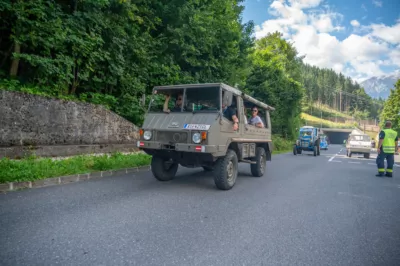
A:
(305, 211)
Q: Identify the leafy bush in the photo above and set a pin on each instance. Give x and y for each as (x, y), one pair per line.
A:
(281, 144)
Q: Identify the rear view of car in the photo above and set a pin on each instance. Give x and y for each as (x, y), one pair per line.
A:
(359, 144)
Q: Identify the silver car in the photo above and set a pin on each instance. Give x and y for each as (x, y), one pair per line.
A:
(359, 144)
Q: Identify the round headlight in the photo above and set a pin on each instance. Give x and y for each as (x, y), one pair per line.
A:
(196, 138)
(147, 135)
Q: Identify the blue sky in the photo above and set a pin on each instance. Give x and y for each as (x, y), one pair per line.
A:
(360, 38)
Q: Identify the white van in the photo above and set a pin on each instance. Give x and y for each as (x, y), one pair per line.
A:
(359, 144)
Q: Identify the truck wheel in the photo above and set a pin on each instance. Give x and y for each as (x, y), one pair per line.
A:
(315, 150)
(226, 171)
(162, 169)
(294, 150)
(208, 168)
(366, 155)
(258, 169)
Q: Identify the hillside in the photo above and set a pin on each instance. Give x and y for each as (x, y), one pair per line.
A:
(326, 87)
(310, 120)
(325, 111)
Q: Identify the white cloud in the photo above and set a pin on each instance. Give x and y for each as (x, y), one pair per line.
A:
(292, 14)
(386, 33)
(394, 56)
(305, 3)
(377, 3)
(324, 22)
(360, 55)
(362, 48)
(355, 23)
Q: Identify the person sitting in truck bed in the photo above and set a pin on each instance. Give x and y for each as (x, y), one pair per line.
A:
(229, 112)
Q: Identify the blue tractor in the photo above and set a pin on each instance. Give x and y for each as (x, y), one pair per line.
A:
(309, 140)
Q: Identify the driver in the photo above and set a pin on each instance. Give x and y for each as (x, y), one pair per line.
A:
(178, 104)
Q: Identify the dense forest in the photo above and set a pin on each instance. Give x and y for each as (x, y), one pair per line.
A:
(325, 86)
(112, 52)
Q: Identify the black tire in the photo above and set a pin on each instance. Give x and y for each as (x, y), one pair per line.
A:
(299, 151)
(315, 150)
(222, 179)
(208, 168)
(294, 150)
(162, 169)
(258, 169)
(366, 155)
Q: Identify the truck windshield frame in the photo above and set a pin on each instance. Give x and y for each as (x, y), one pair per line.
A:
(194, 99)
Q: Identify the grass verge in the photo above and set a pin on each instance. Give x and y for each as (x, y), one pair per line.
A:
(33, 168)
(326, 111)
(315, 121)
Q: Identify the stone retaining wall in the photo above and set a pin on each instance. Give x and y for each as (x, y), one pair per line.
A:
(31, 122)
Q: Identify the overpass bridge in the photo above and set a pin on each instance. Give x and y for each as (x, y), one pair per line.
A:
(337, 135)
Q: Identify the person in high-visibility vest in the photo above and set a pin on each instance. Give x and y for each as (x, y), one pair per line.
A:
(388, 141)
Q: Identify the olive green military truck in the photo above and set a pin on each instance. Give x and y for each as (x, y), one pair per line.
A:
(195, 126)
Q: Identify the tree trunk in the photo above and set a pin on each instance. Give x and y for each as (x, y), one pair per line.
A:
(15, 62)
(6, 56)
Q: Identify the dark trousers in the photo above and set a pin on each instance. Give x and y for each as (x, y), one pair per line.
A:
(380, 161)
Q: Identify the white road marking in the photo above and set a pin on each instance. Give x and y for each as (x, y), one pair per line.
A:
(333, 157)
(355, 162)
(336, 161)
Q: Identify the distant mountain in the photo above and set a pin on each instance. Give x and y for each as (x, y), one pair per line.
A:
(380, 86)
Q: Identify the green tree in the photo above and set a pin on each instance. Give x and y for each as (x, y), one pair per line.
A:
(274, 66)
(391, 109)
(113, 52)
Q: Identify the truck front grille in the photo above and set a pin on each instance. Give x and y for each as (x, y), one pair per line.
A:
(172, 137)
(305, 144)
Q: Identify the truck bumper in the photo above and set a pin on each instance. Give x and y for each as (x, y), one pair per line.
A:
(180, 147)
(360, 150)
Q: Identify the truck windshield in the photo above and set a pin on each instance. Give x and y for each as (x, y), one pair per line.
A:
(206, 99)
(159, 100)
(306, 132)
(202, 99)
